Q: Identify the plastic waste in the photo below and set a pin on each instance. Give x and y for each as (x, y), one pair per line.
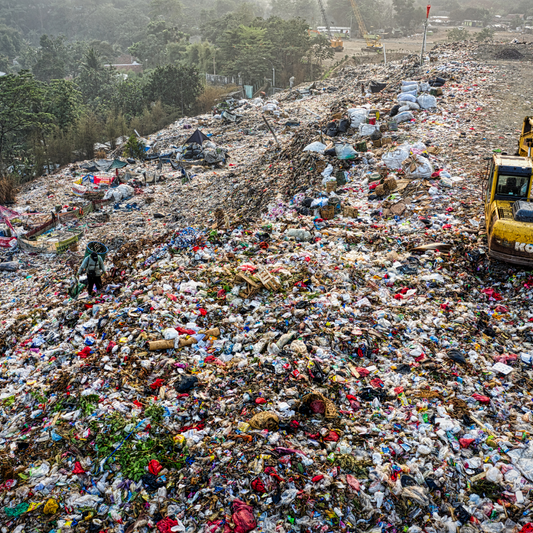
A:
(427, 101)
(403, 117)
(344, 151)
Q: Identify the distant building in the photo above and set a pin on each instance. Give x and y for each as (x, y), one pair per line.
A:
(126, 63)
(473, 23)
(336, 30)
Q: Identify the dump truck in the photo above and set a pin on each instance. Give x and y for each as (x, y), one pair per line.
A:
(509, 209)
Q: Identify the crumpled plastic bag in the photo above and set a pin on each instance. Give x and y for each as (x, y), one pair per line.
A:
(395, 158)
(10, 266)
(418, 494)
(403, 117)
(186, 383)
(120, 193)
(345, 151)
(357, 115)
(409, 106)
(317, 147)
(522, 458)
(427, 101)
(418, 167)
(407, 97)
(368, 129)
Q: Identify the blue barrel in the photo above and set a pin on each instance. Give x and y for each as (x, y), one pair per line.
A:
(98, 247)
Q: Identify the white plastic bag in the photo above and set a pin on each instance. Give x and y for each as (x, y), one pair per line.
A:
(408, 106)
(357, 116)
(368, 129)
(407, 97)
(317, 147)
(427, 101)
(122, 192)
(423, 168)
(345, 151)
(395, 158)
(403, 117)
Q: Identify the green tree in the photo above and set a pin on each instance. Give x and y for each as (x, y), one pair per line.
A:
(203, 55)
(62, 100)
(168, 10)
(51, 59)
(213, 30)
(160, 41)
(293, 9)
(246, 50)
(128, 97)
(176, 86)
(291, 42)
(407, 14)
(10, 42)
(456, 34)
(134, 148)
(319, 51)
(21, 116)
(95, 80)
(376, 14)
(485, 33)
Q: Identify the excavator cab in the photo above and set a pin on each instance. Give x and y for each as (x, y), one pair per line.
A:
(509, 209)
(337, 44)
(526, 138)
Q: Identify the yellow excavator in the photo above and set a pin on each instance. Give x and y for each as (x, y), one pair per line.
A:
(526, 138)
(336, 44)
(373, 42)
(509, 206)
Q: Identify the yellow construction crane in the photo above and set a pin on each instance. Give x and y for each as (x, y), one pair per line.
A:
(373, 42)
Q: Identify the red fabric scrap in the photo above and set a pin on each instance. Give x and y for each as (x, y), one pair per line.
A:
(110, 346)
(78, 469)
(363, 372)
(85, 352)
(258, 486)
(316, 479)
(465, 443)
(260, 401)
(166, 525)
(157, 383)
(154, 467)
(331, 437)
(492, 295)
(271, 471)
(243, 517)
(481, 398)
(376, 383)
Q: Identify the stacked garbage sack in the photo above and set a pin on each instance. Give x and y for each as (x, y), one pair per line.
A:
(311, 340)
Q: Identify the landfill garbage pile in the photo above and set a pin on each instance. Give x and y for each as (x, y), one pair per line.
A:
(311, 340)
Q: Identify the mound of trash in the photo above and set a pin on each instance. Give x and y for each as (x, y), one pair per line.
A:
(299, 327)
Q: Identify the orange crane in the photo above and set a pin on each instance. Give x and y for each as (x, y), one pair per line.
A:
(373, 42)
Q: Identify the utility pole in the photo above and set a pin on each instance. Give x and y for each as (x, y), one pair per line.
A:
(425, 35)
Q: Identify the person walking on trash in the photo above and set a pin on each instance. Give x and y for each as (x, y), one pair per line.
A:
(94, 266)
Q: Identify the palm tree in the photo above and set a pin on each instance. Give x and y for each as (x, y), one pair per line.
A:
(91, 68)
